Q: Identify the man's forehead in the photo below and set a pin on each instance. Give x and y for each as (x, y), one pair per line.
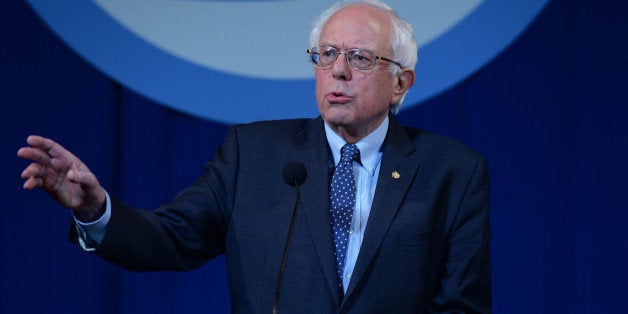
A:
(357, 26)
(360, 14)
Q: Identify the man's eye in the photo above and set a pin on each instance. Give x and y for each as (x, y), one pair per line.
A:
(358, 56)
(329, 53)
(360, 60)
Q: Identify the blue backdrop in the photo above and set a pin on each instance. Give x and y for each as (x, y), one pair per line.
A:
(549, 113)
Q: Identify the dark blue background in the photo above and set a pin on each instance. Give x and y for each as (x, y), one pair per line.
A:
(549, 114)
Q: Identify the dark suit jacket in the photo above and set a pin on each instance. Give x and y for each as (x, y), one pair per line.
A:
(426, 245)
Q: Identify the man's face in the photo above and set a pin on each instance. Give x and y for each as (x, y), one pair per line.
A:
(353, 102)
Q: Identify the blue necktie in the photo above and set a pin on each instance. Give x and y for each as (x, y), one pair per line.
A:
(342, 196)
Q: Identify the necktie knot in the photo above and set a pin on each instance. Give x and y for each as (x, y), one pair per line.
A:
(349, 152)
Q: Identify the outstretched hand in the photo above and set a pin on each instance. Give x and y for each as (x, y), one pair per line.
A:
(65, 177)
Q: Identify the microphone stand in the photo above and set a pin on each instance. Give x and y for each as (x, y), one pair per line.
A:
(285, 249)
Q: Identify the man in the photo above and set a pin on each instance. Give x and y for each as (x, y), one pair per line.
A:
(396, 223)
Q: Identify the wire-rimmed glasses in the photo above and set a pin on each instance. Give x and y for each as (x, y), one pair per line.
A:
(359, 59)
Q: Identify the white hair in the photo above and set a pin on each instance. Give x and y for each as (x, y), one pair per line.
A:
(403, 44)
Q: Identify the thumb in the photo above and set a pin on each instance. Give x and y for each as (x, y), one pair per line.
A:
(85, 178)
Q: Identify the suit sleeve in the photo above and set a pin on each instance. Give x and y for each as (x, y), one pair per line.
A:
(465, 283)
(182, 234)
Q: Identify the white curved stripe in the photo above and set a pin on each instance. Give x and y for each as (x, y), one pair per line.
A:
(258, 39)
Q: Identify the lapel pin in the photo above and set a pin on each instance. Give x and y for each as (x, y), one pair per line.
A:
(396, 175)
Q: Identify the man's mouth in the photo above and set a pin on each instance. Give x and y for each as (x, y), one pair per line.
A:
(338, 97)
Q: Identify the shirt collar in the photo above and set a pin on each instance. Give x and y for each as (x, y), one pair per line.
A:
(369, 146)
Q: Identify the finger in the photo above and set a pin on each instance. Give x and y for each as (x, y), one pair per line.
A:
(49, 146)
(35, 140)
(24, 152)
(45, 144)
(94, 195)
(83, 177)
(47, 152)
(33, 170)
(32, 183)
(34, 154)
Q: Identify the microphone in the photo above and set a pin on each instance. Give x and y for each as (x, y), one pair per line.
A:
(294, 173)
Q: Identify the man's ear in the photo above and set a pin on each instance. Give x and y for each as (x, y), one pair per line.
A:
(404, 81)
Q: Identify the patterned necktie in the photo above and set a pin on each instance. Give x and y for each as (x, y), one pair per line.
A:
(342, 202)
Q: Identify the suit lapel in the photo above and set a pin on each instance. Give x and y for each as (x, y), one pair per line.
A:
(397, 171)
(315, 194)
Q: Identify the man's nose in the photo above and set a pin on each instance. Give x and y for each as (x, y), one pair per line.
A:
(341, 68)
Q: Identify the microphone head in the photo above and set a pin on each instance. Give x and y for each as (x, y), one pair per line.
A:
(294, 173)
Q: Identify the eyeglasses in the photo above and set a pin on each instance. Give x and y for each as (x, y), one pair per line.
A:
(359, 59)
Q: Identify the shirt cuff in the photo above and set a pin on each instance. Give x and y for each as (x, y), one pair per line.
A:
(90, 234)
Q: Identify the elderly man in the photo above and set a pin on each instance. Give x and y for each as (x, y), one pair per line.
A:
(392, 219)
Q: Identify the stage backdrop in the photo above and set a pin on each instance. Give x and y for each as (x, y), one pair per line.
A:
(541, 93)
